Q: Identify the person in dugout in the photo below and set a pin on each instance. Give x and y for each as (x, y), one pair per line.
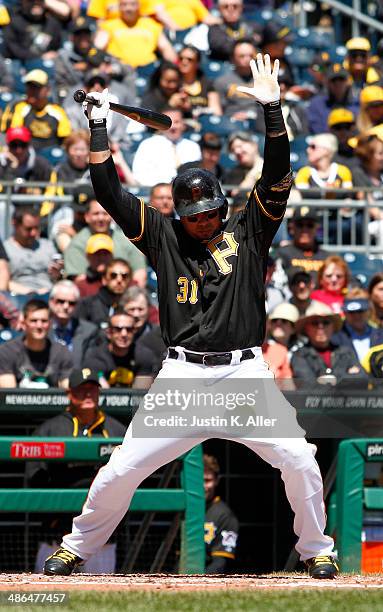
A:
(221, 525)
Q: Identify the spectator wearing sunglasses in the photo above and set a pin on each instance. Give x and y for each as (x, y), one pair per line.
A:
(333, 279)
(76, 334)
(19, 159)
(358, 64)
(200, 91)
(119, 360)
(304, 250)
(321, 360)
(98, 308)
(341, 123)
(301, 285)
(323, 174)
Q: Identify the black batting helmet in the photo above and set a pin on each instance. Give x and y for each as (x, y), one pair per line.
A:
(196, 191)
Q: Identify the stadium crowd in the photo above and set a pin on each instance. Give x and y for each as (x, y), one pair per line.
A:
(74, 292)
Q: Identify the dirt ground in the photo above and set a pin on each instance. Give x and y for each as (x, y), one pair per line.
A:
(118, 582)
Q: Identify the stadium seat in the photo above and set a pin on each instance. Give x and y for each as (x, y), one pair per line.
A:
(8, 334)
(226, 161)
(47, 65)
(363, 267)
(300, 57)
(299, 144)
(298, 160)
(312, 38)
(6, 98)
(212, 69)
(55, 155)
(140, 192)
(177, 38)
(222, 125)
(146, 71)
(141, 85)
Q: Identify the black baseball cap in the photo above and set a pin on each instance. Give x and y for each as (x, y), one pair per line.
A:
(337, 72)
(321, 61)
(81, 376)
(83, 193)
(274, 32)
(96, 77)
(297, 274)
(356, 305)
(305, 212)
(82, 24)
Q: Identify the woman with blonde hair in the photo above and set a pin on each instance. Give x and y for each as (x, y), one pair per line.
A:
(333, 278)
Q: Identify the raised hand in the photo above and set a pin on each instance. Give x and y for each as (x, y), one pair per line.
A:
(266, 87)
(97, 112)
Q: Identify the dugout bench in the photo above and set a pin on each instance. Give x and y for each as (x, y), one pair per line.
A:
(189, 499)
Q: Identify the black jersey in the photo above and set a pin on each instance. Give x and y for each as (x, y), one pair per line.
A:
(211, 295)
(221, 530)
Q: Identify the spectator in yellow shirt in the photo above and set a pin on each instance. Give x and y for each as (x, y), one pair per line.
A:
(134, 39)
(48, 123)
(173, 14)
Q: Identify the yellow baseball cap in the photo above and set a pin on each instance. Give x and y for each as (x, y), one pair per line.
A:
(358, 44)
(99, 242)
(340, 115)
(377, 131)
(372, 94)
(36, 76)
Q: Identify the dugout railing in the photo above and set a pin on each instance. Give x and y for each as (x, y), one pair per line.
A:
(188, 499)
(336, 208)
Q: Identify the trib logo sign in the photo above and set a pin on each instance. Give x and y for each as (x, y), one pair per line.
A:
(38, 450)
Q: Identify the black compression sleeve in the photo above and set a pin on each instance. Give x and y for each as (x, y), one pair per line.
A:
(277, 149)
(98, 135)
(274, 119)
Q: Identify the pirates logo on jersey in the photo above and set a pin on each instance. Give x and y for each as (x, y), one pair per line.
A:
(222, 247)
(210, 530)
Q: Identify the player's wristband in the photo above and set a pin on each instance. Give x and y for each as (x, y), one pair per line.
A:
(273, 117)
(98, 135)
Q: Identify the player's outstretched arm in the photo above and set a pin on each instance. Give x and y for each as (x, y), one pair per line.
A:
(124, 207)
(273, 188)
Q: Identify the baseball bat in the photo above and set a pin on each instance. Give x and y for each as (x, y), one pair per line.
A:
(157, 121)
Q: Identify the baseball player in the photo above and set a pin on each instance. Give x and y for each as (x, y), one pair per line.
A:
(211, 298)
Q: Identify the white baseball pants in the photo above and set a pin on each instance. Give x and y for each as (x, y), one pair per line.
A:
(137, 458)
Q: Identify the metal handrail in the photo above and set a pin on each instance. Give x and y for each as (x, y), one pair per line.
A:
(354, 12)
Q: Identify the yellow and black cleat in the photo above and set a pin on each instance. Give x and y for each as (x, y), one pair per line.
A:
(322, 566)
(61, 563)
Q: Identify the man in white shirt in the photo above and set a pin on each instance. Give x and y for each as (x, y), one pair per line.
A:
(158, 157)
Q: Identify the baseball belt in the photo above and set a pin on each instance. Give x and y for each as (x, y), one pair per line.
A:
(210, 359)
